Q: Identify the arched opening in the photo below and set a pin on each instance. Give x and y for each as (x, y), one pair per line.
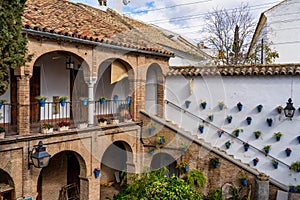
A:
(61, 179)
(116, 162)
(154, 90)
(114, 79)
(7, 188)
(53, 75)
(161, 160)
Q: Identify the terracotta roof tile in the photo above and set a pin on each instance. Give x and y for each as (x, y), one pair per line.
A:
(85, 22)
(246, 70)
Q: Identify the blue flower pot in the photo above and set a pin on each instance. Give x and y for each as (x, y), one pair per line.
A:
(203, 105)
(292, 189)
(151, 130)
(246, 148)
(42, 102)
(240, 107)
(97, 172)
(162, 140)
(255, 162)
(269, 123)
(244, 181)
(278, 138)
(1, 104)
(288, 153)
(128, 100)
(216, 164)
(101, 101)
(259, 108)
(186, 168)
(249, 121)
(298, 138)
(229, 120)
(201, 129)
(84, 102)
(116, 99)
(62, 103)
(187, 104)
(267, 151)
(275, 165)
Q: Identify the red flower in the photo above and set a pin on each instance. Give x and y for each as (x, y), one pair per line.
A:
(256, 159)
(288, 149)
(61, 124)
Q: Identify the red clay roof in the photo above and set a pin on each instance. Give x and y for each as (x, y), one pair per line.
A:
(85, 22)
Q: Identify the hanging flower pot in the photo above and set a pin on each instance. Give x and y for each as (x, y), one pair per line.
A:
(236, 132)
(246, 146)
(227, 144)
(97, 172)
(255, 161)
(279, 109)
(63, 100)
(275, 164)
(211, 117)
(267, 149)
(298, 138)
(116, 98)
(187, 103)
(257, 134)
(278, 135)
(221, 105)
(243, 181)
(201, 128)
(229, 119)
(215, 162)
(288, 151)
(270, 121)
(102, 100)
(151, 151)
(220, 132)
(259, 108)
(41, 100)
(203, 104)
(239, 106)
(249, 120)
(128, 98)
(151, 129)
(186, 168)
(84, 100)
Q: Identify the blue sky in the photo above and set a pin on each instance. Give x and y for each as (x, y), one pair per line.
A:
(183, 17)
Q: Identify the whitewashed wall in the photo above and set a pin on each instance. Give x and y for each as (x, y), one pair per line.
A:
(282, 28)
(5, 110)
(250, 91)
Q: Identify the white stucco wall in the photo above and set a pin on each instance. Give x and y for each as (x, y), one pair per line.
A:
(283, 26)
(250, 91)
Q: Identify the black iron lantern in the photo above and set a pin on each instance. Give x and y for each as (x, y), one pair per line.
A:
(39, 157)
(289, 109)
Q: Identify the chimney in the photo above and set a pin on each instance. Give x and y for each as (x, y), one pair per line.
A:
(103, 5)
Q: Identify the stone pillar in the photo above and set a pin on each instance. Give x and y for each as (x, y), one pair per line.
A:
(262, 187)
(23, 75)
(91, 114)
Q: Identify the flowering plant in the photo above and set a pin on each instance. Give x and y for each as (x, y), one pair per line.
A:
(62, 123)
(256, 159)
(288, 149)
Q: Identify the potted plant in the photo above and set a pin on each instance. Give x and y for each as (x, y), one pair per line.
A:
(82, 124)
(243, 177)
(151, 129)
(184, 147)
(47, 128)
(215, 161)
(203, 104)
(298, 138)
(220, 132)
(41, 100)
(267, 149)
(84, 100)
(288, 151)
(279, 109)
(297, 189)
(292, 188)
(102, 121)
(2, 132)
(249, 120)
(278, 135)
(270, 121)
(275, 163)
(211, 117)
(259, 107)
(187, 103)
(239, 106)
(63, 126)
(229, 119)
(227, 144)
(221, 105)
(183, 166)
(257, 134)
(151, 151)
(2, 101)
(97, 172)
(128, 99)
(237, 132)
(116, 98)
(62, 100)
(160, 139)
(295, 166)
(201, 128)
(246, 146)
(255, 161)
(102, 100)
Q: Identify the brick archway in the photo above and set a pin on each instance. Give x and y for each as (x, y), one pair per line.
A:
(161, 160)
(7, 187)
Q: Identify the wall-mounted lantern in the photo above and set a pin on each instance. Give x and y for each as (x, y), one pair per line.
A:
(289, 109)
(38, 156)
(69, 63)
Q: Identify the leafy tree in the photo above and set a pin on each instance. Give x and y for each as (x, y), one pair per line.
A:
(268, 57)
(156, 185)
(13, 44)
(229, 32)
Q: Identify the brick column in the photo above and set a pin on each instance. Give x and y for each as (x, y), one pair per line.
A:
(23, 75)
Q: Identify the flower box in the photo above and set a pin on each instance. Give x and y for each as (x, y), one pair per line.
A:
(2, 135)
(46, 130)
(82, 125)
(63, 128)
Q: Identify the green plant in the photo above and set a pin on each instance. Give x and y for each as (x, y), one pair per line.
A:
(214, 194)
(41, 98)
(84, 98)
(214, 160)
(295, 166)
(242, 174)
(237, 131)
(102, 120)
(46, 126)
(228, 144)
(62, 98)
(3, 100)
(184, 147)
(2, 129)
(267, 147)
(195, 178)
(278, 134)
(182, 164)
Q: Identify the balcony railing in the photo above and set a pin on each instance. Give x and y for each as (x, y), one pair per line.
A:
(53, 113)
